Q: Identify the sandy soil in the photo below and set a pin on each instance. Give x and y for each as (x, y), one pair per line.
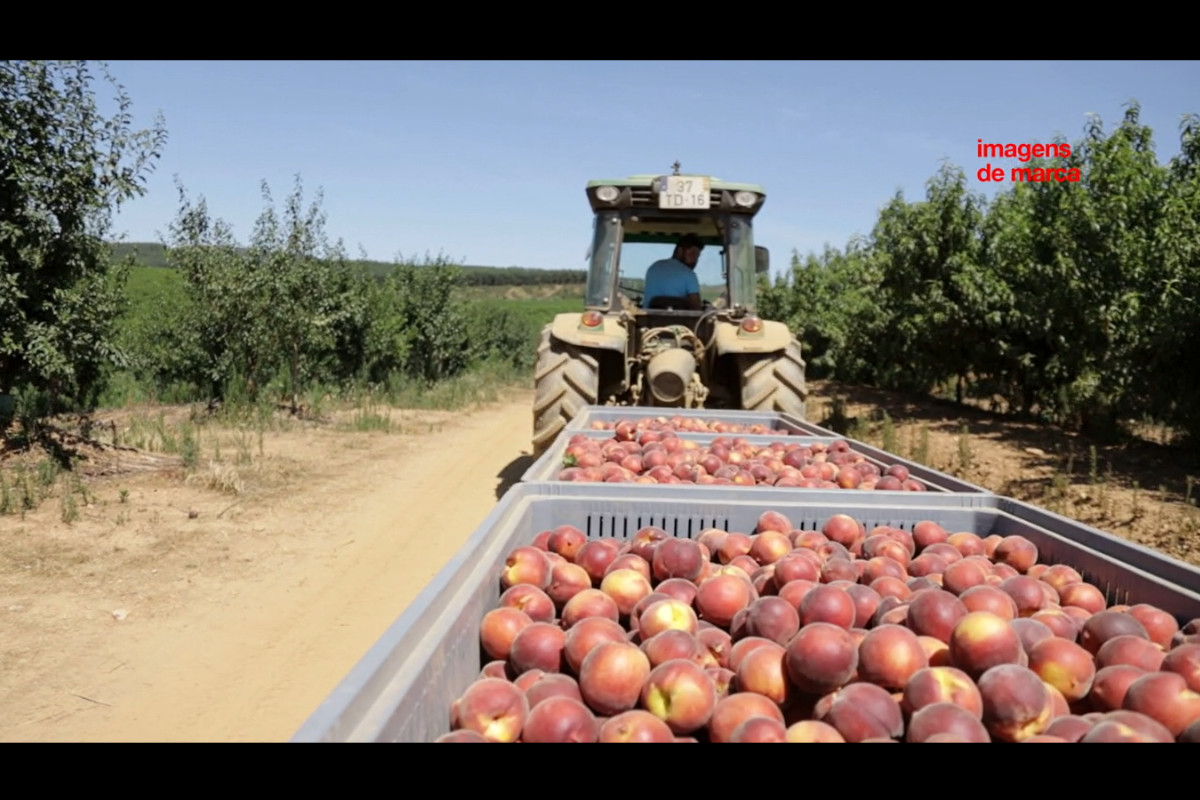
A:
(139, 622)
(185, 611)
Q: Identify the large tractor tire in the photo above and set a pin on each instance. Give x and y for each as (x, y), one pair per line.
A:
(774, 381)
(567, 378)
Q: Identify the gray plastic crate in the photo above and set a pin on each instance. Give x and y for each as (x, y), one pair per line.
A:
(547, 467)
(782, 423)
(403, 688)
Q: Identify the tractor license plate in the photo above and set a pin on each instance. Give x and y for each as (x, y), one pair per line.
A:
(684, 192)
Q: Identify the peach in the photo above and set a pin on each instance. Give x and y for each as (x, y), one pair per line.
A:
(1030, 631)
(827, 604)
(889, 656)
(538, 645)
(734, 709)
(589, 603)
(493, 708)
(982, 641)
(935, 612)
(498, 629)
(566, 540)
(626, 587)
(773, 521)
(552, 684)
(794, 591)
(495, 669)
(1017, 552)
(743, 647)
(681, 694)
(843, 529)
(946, 718)
(862, 711)
(1027, 593)
(1105, 625)
(759, 729)
(1132, 650)
(989, 598)
(772, 618)
(1165, 698)
(646, 540)
(1184, 660)
(941, 685)
(717, 642)
(962, 575)
(734, 545)
(821, 657)
(667, 615)
(1059, 622)
(927, 532)
(720, 597)
(1064, 665)
(586, 635)
(633, 727)
(611, 677)
(1160, 625)
(1111, 684)
(967, 543)
(677, 558)
(1059, 576)
(1083, 595)
(795, 566)
(672, 644)
(722, 679)
(530, 599)
(813, 731)
(679, 588)
(1016, 704)
(1072, 728)
(762, 671)
(526, 565)
(629, 561)
(559, 720)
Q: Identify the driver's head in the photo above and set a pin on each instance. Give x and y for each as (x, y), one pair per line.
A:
(688, 248)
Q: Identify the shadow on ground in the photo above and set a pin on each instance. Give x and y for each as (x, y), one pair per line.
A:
(511, 474)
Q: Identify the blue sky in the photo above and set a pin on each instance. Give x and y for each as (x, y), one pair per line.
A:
(486, 162)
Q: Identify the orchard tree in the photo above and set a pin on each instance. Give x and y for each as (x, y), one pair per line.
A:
(64, 169)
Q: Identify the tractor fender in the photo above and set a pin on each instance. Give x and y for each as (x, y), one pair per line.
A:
(732, 339)
(609, 336)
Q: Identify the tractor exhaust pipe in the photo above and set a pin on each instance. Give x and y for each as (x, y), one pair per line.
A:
(670, 372)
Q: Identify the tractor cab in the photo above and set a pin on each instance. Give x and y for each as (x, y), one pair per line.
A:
(625, 348)
(638, 221)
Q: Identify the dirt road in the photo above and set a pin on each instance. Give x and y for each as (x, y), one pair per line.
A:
(233, 623)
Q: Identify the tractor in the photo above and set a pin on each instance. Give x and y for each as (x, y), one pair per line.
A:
(625, 349)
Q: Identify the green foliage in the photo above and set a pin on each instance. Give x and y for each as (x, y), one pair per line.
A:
(1075, 302)
(64, 169)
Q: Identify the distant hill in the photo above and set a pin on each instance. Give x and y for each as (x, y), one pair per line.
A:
(154, 254)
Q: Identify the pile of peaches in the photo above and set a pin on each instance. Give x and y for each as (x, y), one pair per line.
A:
(652, 457)
(832, 635)
(678, 424)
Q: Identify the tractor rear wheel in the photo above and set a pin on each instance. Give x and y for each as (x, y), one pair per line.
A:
(567, 378)
(774, 381)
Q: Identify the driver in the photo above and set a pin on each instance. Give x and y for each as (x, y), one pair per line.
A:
(675, 277)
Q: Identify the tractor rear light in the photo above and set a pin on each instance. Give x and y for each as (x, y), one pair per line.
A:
(751, 324)
(592, 319)
(745, 199)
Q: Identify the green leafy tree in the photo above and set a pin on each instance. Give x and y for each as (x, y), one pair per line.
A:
(64, 170)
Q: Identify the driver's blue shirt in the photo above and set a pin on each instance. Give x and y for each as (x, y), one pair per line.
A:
(669, 278)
